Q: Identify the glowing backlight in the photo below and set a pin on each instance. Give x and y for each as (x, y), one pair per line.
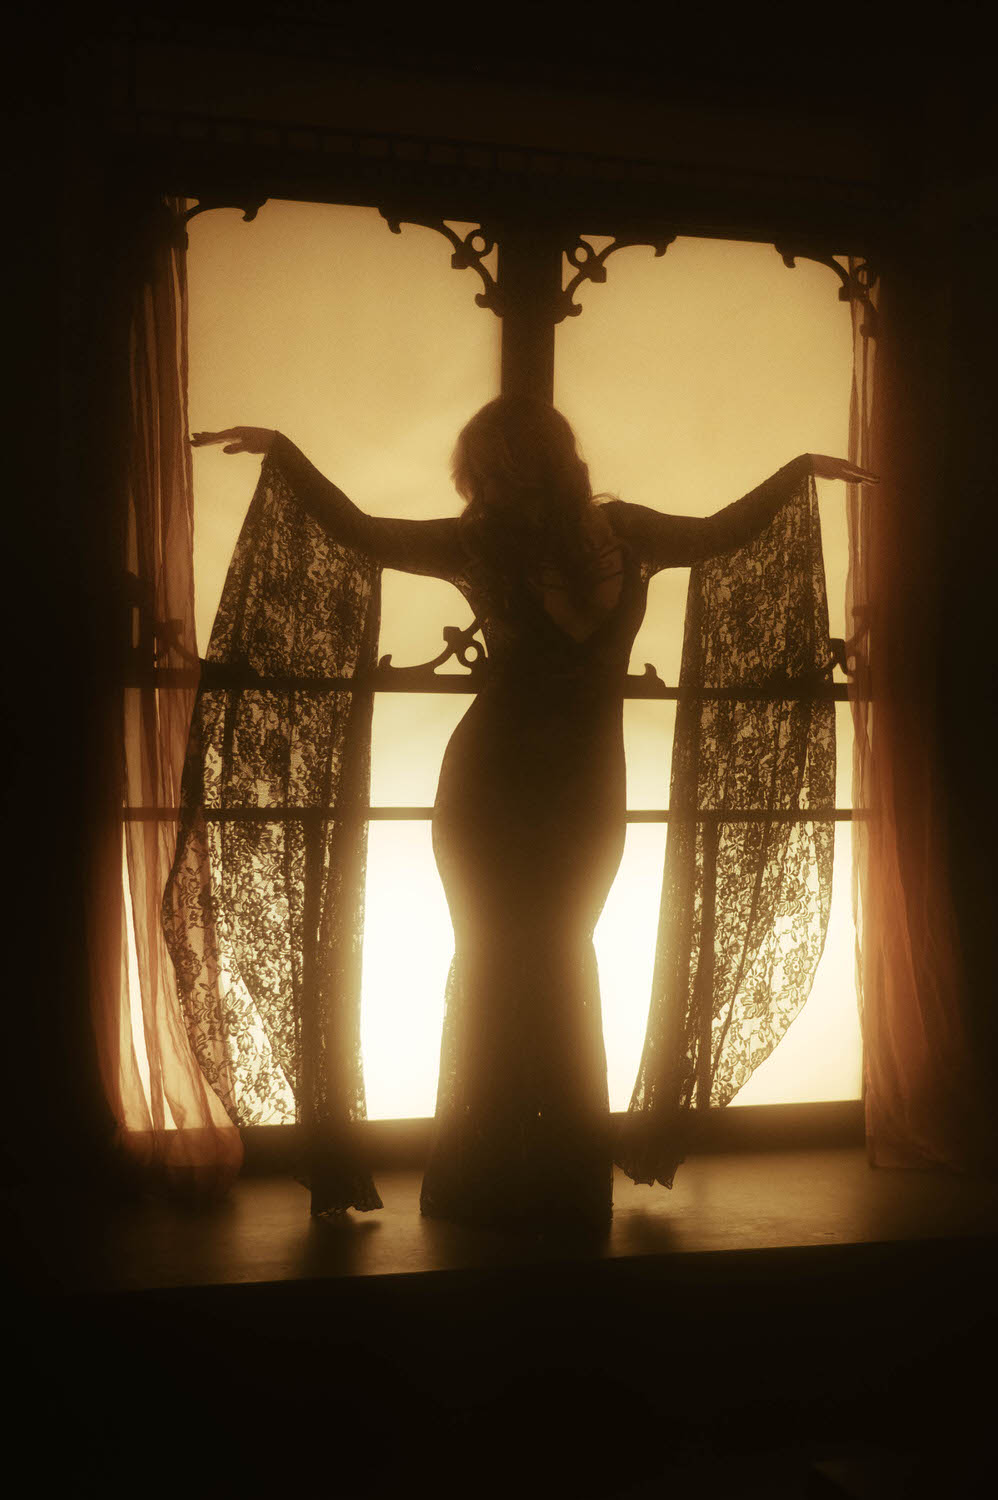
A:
(689, 379)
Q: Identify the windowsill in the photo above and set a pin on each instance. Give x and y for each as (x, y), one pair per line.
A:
(826, 1203)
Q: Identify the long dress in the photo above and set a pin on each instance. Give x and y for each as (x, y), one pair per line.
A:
(528, 831)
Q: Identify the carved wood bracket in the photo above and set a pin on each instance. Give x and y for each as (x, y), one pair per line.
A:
(855, 287)
(590, 265)
(469, 252)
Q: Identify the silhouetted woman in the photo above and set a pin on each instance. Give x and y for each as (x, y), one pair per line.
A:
(529, 817)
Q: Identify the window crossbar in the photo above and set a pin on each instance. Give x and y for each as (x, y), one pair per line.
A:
(710, 815)
(417, 680)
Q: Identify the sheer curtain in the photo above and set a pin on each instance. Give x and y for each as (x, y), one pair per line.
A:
(169, 1123)
(925, 1102)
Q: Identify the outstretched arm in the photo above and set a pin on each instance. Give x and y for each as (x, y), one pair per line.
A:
(667, 541)
(427, 547)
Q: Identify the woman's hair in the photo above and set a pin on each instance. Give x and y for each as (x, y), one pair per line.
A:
(527, 494)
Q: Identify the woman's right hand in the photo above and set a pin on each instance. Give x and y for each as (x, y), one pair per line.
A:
(824, 467)
(239, 439)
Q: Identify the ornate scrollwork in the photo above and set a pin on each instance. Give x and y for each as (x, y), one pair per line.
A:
(855, 287)
(250, 207)
(470, 252)
(590, 265)
(460, 644)
(837, 647)
(648, 685)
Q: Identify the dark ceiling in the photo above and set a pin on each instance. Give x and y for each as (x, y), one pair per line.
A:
(821, 61)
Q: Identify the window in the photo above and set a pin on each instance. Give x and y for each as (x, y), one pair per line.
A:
(689, 378)
(692, 377)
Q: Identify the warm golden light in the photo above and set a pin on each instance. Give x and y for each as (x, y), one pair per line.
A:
(689, 379)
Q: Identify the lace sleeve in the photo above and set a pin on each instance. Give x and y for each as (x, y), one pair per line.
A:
(747, 881)
(263, 912)
(666, 541)
(428, 547)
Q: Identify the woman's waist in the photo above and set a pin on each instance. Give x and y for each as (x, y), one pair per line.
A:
(500, 742)
(538, 685)
(501, 780)
(546, 716)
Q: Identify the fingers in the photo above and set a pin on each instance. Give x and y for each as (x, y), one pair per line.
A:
(198, 439)
(824, 466)
(240, 439)
(859, 476)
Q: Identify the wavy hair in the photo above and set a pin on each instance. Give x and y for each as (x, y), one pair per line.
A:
(527, 495)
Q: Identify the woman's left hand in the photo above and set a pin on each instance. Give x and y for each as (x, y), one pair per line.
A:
(239, 439)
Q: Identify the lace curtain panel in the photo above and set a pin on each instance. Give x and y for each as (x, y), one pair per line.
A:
(264, 908)
(745, 900)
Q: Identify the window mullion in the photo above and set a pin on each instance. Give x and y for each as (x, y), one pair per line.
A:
(530, 275)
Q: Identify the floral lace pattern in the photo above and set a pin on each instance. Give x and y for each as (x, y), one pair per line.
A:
(757, 618)
(264, 912)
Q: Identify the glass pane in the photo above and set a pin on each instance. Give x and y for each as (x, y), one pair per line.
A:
(366, 349)
(689, 379)
(625, 952)
(409, 941)
(409, 736)
(843, 755)
(648, 729)
(136, 1119)
(408, 944)
(821, 1056)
